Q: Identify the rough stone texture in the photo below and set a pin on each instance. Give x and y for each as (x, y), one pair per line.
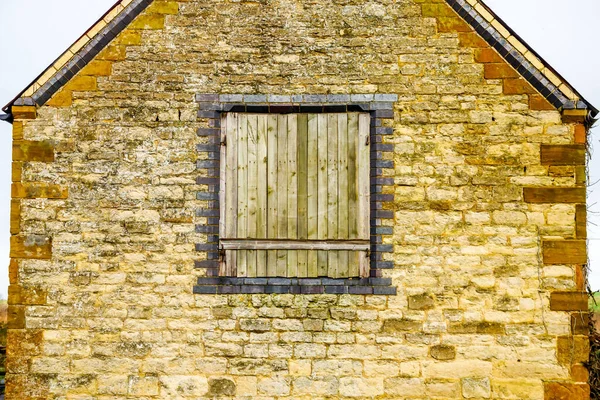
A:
(104, 240)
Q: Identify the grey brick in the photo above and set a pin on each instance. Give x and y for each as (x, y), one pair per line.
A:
(207, 229)
(214, 122)
(207, 164)
(312, 289)
(253, 289)
(383, 147)
(277, 289)
(208, 114)
(280, 98)
(231, 98)
(386, 97)
(382, 106)
(380, 281)
(310, 282)
(279, 281)
(208, 132)
(382, 230)
(384, 114)
(255, 281)
(207, 196)
(383, 248)
(383, 164)
(338, 98)
(205, 289)
(210, 106)
(336, 289)
(207, 247)
(255, 98)
(383, 197)
(229, 289)
(360, 290)
(382, 181)
(315, 98)
(213, 148)
(203, 212)
(207, 181)
(361, 98)
(382, 265)
(207, 97)
(209, 281)
(385, 290)
(297, 98)
(332, 282)
(206, 264)
(229, 280)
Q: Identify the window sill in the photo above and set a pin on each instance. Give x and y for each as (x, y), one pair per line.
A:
(229, 285)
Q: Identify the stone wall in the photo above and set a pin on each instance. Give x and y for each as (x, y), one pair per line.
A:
(488, 228)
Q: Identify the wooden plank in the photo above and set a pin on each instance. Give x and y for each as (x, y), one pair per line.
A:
(352, 176)
(313, 189)
(564, 252)
(282, 190)
(292, 195)
(363, 264)
(353, 264)
(261, 200)
(242, 225)
(554, 195)
(332, 192)
(272, 190)
(569, 301)
(563, 154)
(230, 203)
(581, 221)
(252, 131)
(223, 267)
(364, 198)
(275, 244)
(302, 166)
(342, 200)
(322, 180)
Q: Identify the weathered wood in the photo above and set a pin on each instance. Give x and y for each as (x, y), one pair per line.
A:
(225, 119)
(282, 190)
(353, 264)
(569, 301)
(352, 176)
(342, 200)
(252, 132)
(302, 165)
(313, 189)
(242, 224)
(581, 221)
(332, 190)
(564, 252)
(554, 195)
(364, 198)
(261, 200)
(276, 244)
(292, 195)
(272, 190)
(322, 215)
(563, 154)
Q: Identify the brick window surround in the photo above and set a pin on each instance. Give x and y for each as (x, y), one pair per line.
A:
(212, 106)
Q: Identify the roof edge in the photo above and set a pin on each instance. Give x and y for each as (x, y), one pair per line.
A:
(79, 54)
(520, 55)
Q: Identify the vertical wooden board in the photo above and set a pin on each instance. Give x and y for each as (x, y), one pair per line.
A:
(332, 192)
(343, 265)
(261, 200)
(343, 232)
(231, 178)
(261, 263)
(352, 175)
(242, 225)
(282, 190)
(302, 263)
(231, 263)
(223, 267)
(353, 266)
(363, 264)
(313, 176)
(312, 264)
(364, 170)
(302, 166)
(322, 221)
(271, 190)
(332, 176)
(252, 132)
(292, 196)
(323, 263)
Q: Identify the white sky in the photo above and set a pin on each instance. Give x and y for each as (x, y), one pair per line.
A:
(35, 32)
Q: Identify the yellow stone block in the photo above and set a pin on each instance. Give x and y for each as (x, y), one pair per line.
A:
(82, 83)
(149, 21)
(164, 7)
(97, 68)
(64, 98)
(129, 37)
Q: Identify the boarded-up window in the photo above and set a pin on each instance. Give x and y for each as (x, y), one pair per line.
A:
(295, 195)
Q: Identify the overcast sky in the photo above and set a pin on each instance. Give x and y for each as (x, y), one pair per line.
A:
(35, 32)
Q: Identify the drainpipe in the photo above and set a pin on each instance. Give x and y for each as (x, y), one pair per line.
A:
(6, 117)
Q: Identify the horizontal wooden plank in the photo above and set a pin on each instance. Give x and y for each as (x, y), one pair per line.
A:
(563, 154)
(554, 195)
(568, 301)
(564, 252)
(268, 244)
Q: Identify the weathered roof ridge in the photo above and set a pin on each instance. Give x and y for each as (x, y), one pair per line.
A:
(476, 13)
(521, 56)
(79, 54)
